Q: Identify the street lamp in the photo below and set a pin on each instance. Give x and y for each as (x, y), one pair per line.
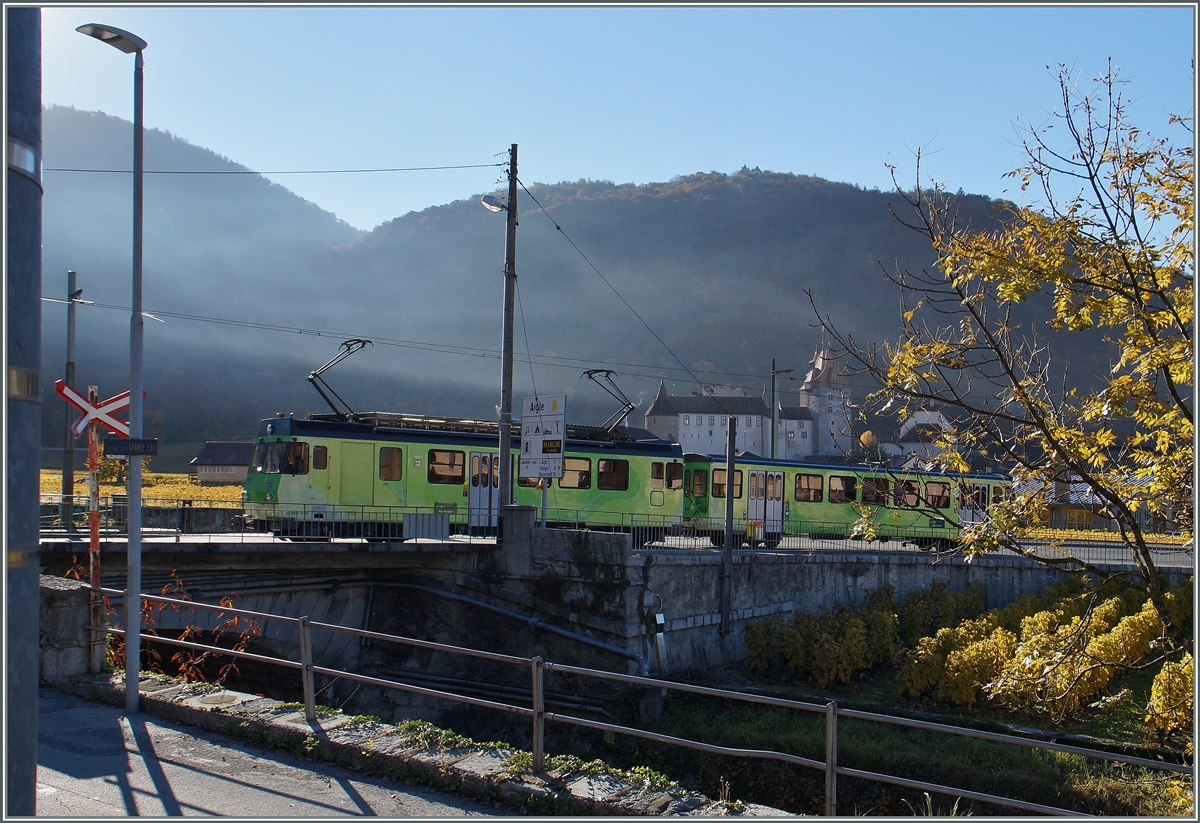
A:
(132, 44)
(506, 368)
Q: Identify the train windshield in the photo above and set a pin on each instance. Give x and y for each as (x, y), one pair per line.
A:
(269, 458)
(280, 458)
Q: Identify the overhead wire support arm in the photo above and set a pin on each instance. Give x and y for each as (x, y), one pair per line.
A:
(596, 375)
(349, 347)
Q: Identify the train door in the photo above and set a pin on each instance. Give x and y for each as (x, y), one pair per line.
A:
(973, 502)
(765, 503)
(483, 497)
(356, 474)
(774, 504)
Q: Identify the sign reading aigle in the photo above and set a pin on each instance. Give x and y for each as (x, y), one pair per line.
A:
(543, 434)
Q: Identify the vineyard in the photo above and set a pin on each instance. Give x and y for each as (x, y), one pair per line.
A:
(1054, 655)
(173, 487)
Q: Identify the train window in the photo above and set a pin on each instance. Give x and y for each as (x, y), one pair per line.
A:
(446, 467)
(875, 491)
(841, 489)
(809, 488)
(320, 457)
(979, 496)
(700, 483)
(908, 493)
(718, 487)
(268, 457)
(657, 476)
(529, 482)
(297, 458)
(475, 471)
(577, 473)
(391, 463)
(613, 475)
(938, 495)
(999, 494)
(674, 475)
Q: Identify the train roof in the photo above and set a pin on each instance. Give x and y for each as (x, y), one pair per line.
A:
(428, 428)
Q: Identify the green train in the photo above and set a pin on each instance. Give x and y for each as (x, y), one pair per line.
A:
(777, 498)
(326, 477)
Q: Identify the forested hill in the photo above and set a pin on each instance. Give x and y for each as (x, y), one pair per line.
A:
(716, 265)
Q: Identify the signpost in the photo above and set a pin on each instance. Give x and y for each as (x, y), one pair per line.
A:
(543, 436)
(92, 415)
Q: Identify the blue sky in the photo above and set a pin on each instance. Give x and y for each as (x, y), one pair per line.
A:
(623, 94)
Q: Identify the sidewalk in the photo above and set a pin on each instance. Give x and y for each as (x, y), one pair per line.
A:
(94, 761)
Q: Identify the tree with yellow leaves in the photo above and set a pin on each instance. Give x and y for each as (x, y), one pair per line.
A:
(1108, 248)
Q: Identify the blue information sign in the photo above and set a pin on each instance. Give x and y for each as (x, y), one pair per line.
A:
(124, 447)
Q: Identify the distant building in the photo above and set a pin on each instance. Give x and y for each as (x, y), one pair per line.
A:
(700, 422)
(825, 394)
(916, 441)
(797, 436)
(223, 463)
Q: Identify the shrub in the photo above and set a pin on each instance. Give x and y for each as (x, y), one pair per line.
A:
(1172, 700)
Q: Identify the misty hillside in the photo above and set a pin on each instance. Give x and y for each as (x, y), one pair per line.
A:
(717, 265)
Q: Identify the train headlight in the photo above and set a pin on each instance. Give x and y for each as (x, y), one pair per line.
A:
(270, 497)
(245, 496)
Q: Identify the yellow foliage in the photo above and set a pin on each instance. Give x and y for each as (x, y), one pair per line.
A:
(1172, 699)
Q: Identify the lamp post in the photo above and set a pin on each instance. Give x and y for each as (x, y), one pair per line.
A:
(506, 369)
(132, 44)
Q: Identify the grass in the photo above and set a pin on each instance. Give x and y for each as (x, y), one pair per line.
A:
(1049, 778)
(155, 486)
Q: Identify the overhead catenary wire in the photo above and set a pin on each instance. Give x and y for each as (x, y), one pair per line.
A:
(620, 297)
(285, 171)
(651, 371)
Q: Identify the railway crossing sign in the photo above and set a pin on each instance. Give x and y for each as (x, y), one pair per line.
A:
(543, 435)
(101, 413)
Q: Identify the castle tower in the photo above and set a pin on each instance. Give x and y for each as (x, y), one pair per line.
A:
(827, 396)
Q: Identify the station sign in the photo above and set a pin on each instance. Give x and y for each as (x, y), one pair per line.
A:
(543, 436)
(134, 446)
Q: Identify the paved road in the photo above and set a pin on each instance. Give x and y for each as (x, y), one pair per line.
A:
(95, 761)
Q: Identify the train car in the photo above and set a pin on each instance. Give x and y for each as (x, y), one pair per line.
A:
(324, 476)
(777, 498)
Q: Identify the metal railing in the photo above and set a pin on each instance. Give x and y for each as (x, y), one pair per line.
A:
(538, 715)
(237, 522)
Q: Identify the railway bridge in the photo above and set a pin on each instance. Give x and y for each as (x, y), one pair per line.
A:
(588, 598)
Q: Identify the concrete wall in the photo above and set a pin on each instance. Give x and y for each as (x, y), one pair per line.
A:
(764, 584)
(62, 641)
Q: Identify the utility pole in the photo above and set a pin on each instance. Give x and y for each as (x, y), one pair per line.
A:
(775, 404)
(23, 403)
(67, 511)
(506, 369)
(727, 553)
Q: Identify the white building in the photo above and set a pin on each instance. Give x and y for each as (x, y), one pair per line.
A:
(915, 442)
(699, 423)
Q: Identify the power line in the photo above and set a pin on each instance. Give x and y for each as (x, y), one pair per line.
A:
(647, 370)
(291, 171)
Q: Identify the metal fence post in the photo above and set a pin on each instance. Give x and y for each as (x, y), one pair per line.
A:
(539, 716)
(831, 759)
(310, 698)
